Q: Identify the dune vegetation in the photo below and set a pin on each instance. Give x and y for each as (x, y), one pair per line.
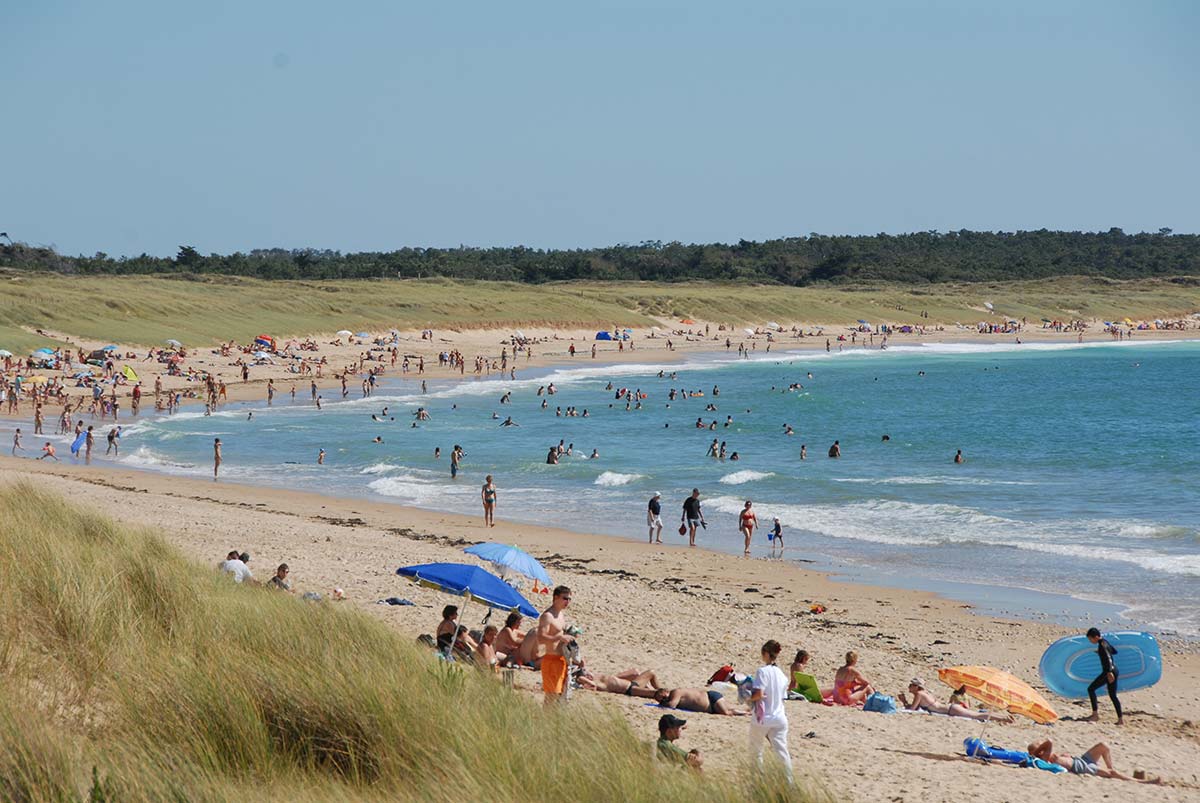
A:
(130, 673)
(202, 310)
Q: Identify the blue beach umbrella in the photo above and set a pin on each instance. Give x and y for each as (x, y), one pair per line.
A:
(109, 348)
(864, 323)
(472, 582)
(510, 557)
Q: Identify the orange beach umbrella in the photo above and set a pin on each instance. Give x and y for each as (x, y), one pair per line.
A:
(999, 690)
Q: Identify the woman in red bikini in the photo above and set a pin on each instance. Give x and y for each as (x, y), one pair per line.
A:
(747, 521)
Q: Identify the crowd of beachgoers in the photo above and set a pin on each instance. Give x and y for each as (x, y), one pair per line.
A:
(93, 388)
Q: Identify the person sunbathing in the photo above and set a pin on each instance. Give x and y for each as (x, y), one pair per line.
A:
(923, 700)
(800, 666)
(509, 639)
(630, 682)
(527, 651)
(850, 686)
(704, 701)
(485, 651)
(450, 631)
(1087, 764)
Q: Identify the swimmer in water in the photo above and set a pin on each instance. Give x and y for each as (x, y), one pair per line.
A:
(508, 422)
(836, 449)
(803, 451)
(958, 457)
(321, 458)
(594, 455)
(377, 439)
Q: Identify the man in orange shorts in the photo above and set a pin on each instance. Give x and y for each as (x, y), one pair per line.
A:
(552, 637)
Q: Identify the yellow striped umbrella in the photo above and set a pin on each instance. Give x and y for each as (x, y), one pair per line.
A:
(999, 690)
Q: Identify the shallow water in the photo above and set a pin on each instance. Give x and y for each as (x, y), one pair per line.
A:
(1080, 476)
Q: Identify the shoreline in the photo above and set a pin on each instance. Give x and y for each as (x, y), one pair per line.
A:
(550, 346)
(683, 613)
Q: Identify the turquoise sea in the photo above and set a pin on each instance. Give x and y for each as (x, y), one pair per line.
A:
(1080, 476)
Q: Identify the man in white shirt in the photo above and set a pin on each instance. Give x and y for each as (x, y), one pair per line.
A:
(235, 564)
(769, 719)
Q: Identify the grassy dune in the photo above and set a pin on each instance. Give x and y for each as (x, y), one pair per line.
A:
(135, 674)
(149, 309)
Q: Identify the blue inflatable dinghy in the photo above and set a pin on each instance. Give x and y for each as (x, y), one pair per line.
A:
(1070, 664)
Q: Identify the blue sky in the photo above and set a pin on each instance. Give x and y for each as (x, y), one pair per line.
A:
(133, 126)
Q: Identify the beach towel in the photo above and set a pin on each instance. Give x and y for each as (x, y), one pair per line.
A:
(806, 686)
(978, 748)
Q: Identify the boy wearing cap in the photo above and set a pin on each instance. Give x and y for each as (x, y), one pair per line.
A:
(654, 518)
(669, 729)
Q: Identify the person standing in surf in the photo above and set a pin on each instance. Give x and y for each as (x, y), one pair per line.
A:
(693, 516)
(488, 495)
(747, 521)
(1108, 676)
(654, 518)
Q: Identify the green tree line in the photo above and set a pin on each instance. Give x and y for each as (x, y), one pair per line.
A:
(920, 257)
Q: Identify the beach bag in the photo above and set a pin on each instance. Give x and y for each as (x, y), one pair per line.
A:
(880, 703)
(722, 675)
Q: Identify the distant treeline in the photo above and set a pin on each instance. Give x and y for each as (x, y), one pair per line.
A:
(964, 256)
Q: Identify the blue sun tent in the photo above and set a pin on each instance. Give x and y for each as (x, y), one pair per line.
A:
(603, 336)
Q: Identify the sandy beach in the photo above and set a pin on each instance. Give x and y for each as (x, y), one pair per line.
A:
(684, 613)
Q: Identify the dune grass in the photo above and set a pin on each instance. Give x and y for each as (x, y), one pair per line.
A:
(130, 673)
(146, 310)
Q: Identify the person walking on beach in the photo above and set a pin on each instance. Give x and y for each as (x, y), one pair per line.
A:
(552, 638)
(216, 456)
(693, 516)
(17, 442)
(776, 536)
(654, 518)
(747, 521)
(89, 443)
(1108, 676)
(488, 495)
(768, 722)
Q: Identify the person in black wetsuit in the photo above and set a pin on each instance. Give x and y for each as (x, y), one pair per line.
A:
(1107, 677)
